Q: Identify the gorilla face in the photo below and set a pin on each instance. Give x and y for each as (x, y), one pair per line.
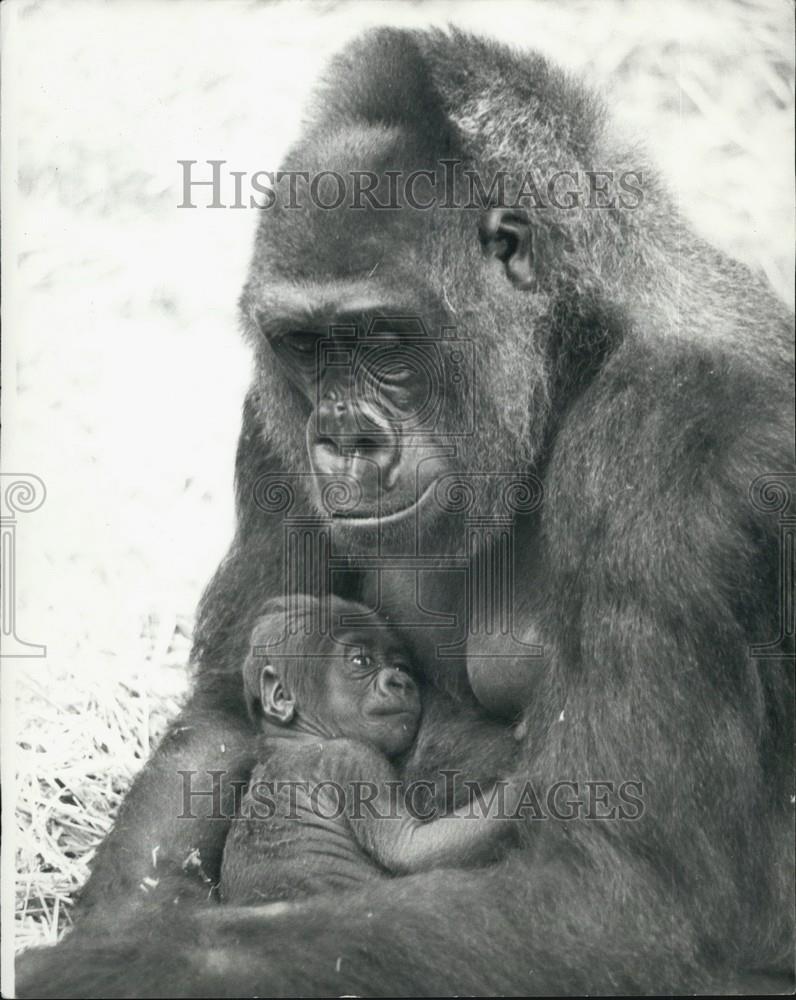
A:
(376, 389)
(365, 380)
(385, 359)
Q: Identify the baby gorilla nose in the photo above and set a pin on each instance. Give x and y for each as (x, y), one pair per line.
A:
(392, 680)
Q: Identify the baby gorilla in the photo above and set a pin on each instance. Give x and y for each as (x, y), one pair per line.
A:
(324, 809)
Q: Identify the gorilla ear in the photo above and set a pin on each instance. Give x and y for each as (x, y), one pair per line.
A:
(506, 233)
(278, 704)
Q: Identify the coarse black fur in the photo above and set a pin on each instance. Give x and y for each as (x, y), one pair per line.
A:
(647, 380)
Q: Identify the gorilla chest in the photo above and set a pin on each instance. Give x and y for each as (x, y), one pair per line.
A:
(467, 615)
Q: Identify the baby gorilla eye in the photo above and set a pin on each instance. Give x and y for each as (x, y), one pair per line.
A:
(362, 660)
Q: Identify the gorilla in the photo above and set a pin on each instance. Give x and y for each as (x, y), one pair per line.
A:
(325, 809)
(544, 430)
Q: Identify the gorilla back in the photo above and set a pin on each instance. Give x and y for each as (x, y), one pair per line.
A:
(633, 388)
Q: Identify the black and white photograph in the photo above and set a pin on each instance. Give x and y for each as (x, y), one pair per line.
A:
(398, 500)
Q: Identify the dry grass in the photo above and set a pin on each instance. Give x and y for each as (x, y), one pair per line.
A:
(75, 761)
(128, 375)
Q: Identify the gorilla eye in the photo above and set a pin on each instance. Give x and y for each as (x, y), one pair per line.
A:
(362, 660)
(300, 343)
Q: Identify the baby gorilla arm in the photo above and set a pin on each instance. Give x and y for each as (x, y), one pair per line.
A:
(408, 845)
(391, 830)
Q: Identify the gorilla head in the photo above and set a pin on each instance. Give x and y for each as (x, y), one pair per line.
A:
(387, 339)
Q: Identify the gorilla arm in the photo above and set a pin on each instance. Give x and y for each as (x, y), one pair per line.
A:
(400, 841)
(167, 841)
(442, 933)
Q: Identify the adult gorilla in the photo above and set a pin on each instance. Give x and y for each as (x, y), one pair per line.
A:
(644, 380)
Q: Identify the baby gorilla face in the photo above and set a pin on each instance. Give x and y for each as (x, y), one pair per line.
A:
(370, 695)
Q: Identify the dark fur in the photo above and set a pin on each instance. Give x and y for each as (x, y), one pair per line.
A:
(648, 381)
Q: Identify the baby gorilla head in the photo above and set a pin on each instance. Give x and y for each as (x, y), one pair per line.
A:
(302, 682)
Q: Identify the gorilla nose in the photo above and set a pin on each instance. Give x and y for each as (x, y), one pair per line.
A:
(335, 417)
(343, 442)
(394, 681)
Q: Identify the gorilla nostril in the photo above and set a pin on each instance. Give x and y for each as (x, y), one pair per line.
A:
(334, 413)
(396, 681)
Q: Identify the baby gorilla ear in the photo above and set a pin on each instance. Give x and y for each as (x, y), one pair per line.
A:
(278, 703)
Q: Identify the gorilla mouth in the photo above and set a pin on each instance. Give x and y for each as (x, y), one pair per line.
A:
(392, 710)
(389, 517)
